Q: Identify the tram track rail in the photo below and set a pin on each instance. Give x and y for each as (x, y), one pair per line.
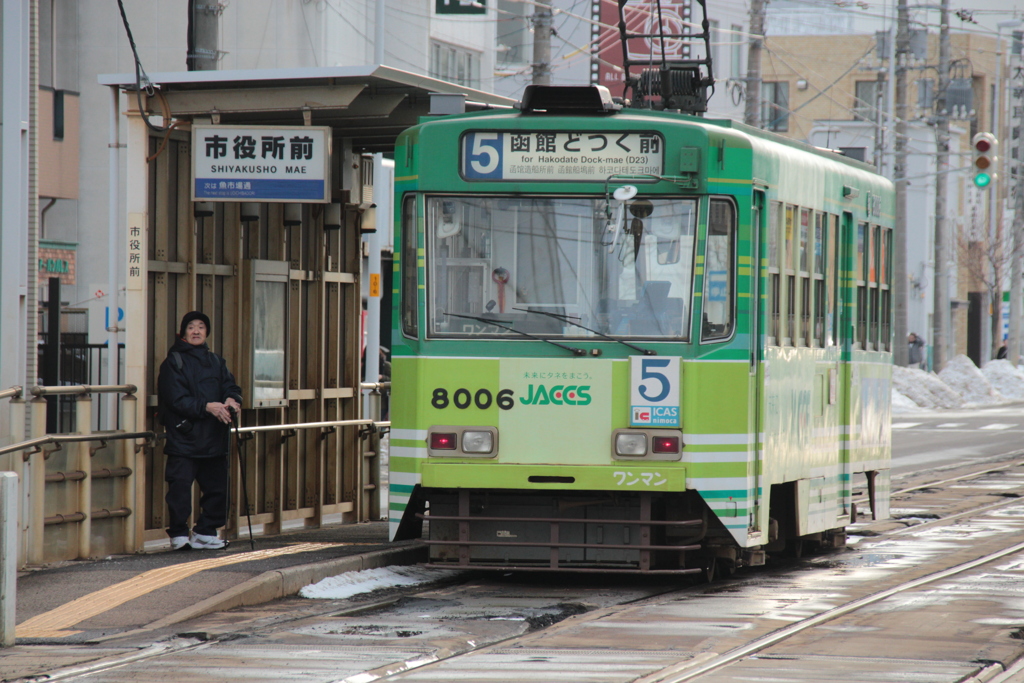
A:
(696, 668)
(689, 672)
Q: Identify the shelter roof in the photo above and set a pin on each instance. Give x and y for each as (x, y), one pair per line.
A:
(369, 104)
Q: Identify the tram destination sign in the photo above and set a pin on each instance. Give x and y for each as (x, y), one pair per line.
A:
(553, 156)
(261, 163)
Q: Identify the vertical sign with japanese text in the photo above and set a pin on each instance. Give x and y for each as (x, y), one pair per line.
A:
(136, 249)
(261, 164)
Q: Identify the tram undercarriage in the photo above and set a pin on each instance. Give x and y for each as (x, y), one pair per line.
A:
(579, 531)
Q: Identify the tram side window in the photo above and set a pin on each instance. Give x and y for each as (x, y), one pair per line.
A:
(820, 297)
(831, 282)
(719, 274)
(805, 282)
(410, 323)
(885, 289)
(860, 269)
(873, 298)
(790, 333)
(773, 305)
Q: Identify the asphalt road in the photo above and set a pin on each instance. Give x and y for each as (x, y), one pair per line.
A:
(930, 439)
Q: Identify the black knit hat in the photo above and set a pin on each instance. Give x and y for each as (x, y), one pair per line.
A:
(194, 315)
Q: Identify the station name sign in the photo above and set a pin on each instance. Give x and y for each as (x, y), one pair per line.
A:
(573, 156)
(261, 163)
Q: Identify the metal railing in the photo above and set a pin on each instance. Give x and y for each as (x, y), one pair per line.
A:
(80, 364)
(119, 457)
(371, 430)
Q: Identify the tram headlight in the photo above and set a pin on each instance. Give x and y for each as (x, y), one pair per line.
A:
(630, 444)
(477, 442)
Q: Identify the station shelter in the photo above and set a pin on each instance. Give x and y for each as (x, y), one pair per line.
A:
(247, 194)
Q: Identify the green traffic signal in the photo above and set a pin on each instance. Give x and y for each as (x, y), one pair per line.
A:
(982, 179)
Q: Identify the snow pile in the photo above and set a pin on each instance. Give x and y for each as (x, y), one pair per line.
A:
(924, 389)
(963, 376)
(902, 404)
(1004, 378)
(354, 583)
(959, 384)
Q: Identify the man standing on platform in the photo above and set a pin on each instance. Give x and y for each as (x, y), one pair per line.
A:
(197, 396)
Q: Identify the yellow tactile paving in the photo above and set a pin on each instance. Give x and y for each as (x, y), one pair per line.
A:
(54, 624)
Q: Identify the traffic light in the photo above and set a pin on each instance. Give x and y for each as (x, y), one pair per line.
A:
(983, 148)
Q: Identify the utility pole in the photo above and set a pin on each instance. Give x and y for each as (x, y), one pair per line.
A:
(542, 43)
(879, 153)
(901, 279)
(203, 36)
(941, 328)
(1017, 244)
(1002, 100)
(752, 109)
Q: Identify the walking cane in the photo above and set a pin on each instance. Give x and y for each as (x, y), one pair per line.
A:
(240, 446)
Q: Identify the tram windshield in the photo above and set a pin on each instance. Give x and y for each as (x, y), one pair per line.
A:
(513, 259)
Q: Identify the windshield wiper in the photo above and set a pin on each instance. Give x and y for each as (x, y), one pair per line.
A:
(487, 321)
(573, 321)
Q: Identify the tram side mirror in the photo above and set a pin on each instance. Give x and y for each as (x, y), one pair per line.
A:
(449, 223)
(622, 195)
(490, 305)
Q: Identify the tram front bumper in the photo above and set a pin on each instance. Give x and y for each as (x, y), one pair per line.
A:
(631, 477)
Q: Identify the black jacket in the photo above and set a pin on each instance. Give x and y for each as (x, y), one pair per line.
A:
(203, 378)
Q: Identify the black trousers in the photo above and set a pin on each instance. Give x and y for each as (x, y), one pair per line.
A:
(212, 475)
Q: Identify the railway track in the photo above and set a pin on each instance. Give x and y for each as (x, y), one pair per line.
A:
(642, 631)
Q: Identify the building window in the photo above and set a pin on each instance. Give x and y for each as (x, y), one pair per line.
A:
(515, 41)
(58, 114)
(455, 64)
(858, 153)
(715, 38)
(866, 106)
(925, 93)
(736, 53)
(775, 105)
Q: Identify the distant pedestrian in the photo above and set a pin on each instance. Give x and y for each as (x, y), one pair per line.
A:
(915, 351)
(1002, 352)
(197, 396)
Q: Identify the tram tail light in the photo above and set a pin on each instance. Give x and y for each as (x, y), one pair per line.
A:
(631, 444)
(441, 441)
(462, 441)
(477, 442)
(665, 444)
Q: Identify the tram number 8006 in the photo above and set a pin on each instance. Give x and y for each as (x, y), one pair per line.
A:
(463, 398)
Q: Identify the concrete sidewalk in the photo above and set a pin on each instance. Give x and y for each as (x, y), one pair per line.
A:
(75, 607)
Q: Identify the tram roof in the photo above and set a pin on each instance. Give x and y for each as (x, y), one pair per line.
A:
(370, 104)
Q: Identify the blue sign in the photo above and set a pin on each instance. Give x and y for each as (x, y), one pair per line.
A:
(261, 164)
(654, 391)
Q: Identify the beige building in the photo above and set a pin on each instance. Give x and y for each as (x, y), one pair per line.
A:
(814, 78)
(834, 90)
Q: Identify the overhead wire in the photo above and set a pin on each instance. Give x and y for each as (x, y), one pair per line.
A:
(141, 78)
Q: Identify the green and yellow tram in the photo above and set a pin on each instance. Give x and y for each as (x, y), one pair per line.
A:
(633, 340)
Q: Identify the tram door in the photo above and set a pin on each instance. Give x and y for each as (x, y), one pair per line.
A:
(847, 322)
(758, 214)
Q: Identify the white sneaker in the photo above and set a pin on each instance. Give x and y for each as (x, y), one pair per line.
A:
(180, 543)
(201, 542)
